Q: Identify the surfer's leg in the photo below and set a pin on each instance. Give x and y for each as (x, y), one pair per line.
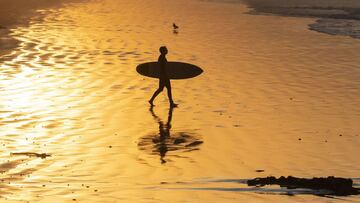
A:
(168, 87)
(156, 93)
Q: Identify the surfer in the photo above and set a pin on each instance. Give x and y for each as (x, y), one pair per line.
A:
(164, 80)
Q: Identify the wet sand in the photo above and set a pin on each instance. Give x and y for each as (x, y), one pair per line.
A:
(14, 13)
(274, 99)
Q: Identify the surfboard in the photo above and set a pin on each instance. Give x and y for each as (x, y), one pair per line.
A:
(175, 70)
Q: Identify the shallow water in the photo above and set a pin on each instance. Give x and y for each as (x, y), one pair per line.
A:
(336, 17)
(274, 96)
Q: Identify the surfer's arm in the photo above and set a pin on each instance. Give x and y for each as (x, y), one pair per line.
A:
(162, 64)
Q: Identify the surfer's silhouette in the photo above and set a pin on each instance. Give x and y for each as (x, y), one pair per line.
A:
(164, 80)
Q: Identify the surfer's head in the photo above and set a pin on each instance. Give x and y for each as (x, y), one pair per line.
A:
(163, 50)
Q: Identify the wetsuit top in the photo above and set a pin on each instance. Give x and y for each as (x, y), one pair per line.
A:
(162, 61)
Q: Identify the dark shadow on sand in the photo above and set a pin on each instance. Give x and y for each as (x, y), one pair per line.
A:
(33, 154)
(164, 141)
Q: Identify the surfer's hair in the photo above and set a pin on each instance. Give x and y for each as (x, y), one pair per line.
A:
(163, 49)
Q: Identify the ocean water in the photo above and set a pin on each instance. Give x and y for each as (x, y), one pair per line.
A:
(275, 98)
(335, 17)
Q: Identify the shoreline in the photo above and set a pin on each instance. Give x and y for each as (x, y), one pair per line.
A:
(333, 17)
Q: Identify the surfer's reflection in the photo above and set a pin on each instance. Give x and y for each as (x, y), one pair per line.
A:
(164, 133)
(164, 141)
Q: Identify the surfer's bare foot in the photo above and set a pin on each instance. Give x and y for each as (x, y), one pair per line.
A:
(173, 105)
(151, 103)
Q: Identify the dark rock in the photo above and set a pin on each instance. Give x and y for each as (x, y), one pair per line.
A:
(335, 186)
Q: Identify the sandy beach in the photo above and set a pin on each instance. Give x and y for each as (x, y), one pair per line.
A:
(275, 99)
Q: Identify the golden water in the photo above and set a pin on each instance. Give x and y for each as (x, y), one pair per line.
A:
(70, 90)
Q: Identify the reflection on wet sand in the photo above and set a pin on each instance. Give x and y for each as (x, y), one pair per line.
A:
(164, 141)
